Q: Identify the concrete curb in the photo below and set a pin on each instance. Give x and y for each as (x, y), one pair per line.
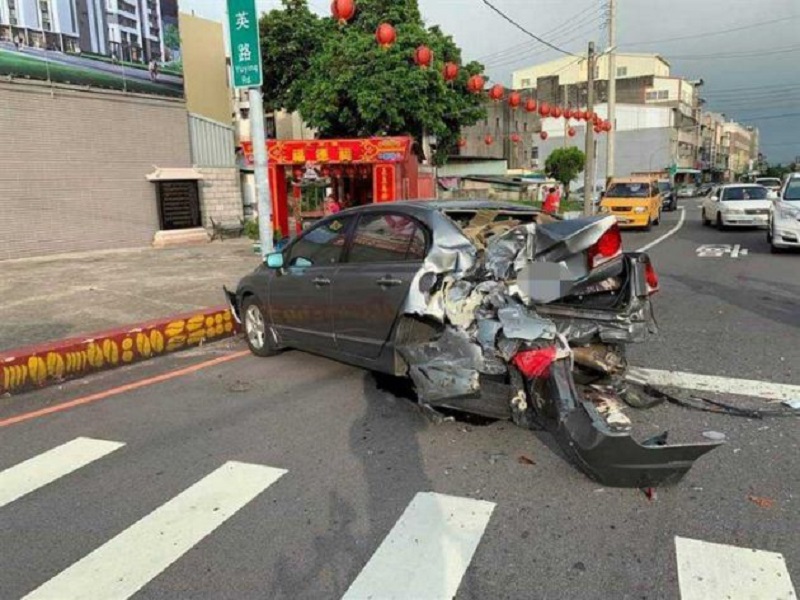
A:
(46, 364)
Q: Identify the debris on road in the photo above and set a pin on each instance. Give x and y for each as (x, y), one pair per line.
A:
(765, 503)
(524, 460)
(793, 404)
(714, 435)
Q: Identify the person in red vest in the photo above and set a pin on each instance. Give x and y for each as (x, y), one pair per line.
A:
(552, 201)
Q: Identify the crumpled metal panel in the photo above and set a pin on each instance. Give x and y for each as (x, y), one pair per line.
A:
(561, 239)
(444, 368)
(520, 323)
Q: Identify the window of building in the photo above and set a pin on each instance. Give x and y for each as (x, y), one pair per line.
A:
(525, 126)
(387, 238)
(526, 83)
(535, 153)
(321, 246)
(622, 71)
(497, 122)
(663, 95)
(516, 125)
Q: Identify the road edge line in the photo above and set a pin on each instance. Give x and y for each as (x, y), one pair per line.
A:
(128, 387)
(670, 233)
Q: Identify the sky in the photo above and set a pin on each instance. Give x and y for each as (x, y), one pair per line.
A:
(751, 75)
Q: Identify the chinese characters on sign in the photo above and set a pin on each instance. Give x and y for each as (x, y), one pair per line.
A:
(245, 47)
(384, 183)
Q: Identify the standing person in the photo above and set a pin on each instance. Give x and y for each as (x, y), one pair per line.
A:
(552, 201)
(331, 207)
(153, 68)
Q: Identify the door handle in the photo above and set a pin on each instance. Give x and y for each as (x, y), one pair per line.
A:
(322, 282)
(389, 281)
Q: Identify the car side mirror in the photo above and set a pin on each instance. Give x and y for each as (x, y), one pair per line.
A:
(714, 199)
(275, 260)
(602, 195)
(772, 195)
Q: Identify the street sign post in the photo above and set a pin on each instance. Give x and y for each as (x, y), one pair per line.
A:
(246, 70)
(245, 45)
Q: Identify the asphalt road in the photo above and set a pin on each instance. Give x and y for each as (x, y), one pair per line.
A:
(357, 455)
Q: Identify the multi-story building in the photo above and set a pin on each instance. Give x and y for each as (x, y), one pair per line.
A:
(127, 29)
(134, 30)
(503, 134)
(713, 153)
(662, 112)
(740, 142)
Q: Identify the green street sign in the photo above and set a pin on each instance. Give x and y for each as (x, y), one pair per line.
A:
(245, 45)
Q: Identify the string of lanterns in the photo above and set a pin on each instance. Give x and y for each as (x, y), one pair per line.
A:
(343, 11)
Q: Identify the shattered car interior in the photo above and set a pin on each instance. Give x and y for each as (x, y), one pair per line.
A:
(517, 315)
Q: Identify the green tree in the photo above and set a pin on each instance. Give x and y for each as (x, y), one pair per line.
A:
(345, 85)
(172, 37)
(564, 164)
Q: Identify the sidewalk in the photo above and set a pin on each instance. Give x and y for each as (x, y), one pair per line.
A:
(56, 297)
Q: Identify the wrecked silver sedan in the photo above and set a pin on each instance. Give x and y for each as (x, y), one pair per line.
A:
(490, 308)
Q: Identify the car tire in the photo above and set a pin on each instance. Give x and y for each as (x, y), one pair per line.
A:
(649, 225)
(257, 330)
(720, 224)
(657, 222)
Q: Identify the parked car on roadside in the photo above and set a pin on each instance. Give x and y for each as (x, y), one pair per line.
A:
(737, 205)
(634, 201)
(488, 307)
(669, 199)
(705, 189)
(783, 231)
(688, 190)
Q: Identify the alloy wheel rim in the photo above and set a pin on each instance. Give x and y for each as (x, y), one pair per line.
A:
(255, 327)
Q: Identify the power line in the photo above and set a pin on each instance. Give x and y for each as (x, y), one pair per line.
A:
(736, 54)
(769, 117)
(712, 33)
(525, 31)
(756, 87)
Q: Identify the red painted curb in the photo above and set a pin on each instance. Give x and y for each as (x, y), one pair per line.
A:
(40, 365)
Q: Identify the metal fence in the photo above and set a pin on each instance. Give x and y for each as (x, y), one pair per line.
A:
(212, 143)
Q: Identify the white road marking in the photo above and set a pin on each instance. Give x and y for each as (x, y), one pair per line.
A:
(427, 552)
(36, 472)
(671, 232)
(123, 565)
(709, 571)
(735, 251)
(715, 384)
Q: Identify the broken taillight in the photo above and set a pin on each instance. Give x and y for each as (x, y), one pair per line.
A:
(535, 363)
(609, 246)
(651, 277)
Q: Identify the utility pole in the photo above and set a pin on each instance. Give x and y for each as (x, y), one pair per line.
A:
(588, 179)
(612, 87)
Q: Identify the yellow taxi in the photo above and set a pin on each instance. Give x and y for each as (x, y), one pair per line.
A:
(635, 201)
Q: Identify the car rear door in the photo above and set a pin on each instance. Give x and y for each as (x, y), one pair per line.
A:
(300, 295)
(386, 252)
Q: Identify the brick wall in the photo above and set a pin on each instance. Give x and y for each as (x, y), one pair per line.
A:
(220, 196)
(73, 167)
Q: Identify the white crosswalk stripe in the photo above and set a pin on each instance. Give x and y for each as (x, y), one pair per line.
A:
(709, 571)
(123, 565)
(427, 552)
(37, 472)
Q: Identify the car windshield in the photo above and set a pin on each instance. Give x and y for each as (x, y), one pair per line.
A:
(745, 193)
(664, 186)
(628, 190)
(792, 190)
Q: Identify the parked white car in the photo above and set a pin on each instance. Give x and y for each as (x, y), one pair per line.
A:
(784, 219)
(771, 183)
(738, 204)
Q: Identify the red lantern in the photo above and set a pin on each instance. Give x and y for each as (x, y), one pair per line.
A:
(582, 115)
(530, 105)
(497, 92)
(544, 109)
(386, 35)
(556, 113)
(608, 126)
(489, 140)
(543, 135)
(516, 138)
(571, 132)
(514, 100)
(462, 143)
(450, 71)
(343, 10)
(476, 84)
(597, 129)
(589, 116)
(423, 56)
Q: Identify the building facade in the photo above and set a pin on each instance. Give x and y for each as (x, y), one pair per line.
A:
(571, 71)
(504, 134)
(740, 147)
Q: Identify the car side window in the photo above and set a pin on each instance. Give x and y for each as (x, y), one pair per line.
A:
(387, 238)
(321, 246)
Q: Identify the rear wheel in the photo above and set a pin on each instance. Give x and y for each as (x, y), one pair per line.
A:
(257, 329)
(706, 220)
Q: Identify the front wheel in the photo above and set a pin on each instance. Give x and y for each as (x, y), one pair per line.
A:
(258, 332)
(720, 224)
(706, 220)
(649, 225)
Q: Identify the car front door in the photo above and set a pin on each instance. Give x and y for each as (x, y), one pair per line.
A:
(300, 294)
(386, 252)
